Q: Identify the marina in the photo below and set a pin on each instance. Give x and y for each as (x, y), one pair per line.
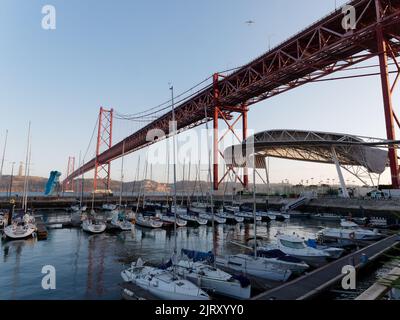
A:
(200, 198)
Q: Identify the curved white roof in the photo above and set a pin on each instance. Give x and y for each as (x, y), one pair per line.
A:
(310, 146)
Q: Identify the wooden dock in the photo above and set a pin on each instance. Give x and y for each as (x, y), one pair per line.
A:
(316, 282)
(41, 230)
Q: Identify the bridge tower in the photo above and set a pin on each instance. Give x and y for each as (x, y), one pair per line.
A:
(102, 171)
(386, 52)
(69, 185)
(235, 120)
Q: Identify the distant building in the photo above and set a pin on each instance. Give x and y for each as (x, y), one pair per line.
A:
(21, 169)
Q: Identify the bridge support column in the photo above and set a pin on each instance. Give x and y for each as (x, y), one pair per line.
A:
(226, 113)
(384, 50)
(345, 193)
(102, 171)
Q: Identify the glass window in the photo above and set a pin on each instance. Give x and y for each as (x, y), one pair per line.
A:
(293, 245)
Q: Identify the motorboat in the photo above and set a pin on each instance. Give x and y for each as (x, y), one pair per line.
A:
(148, 222)
(295, 246)
(209, 278)
(163, 284)
(254, 266)
(350, 231)
(94, 226)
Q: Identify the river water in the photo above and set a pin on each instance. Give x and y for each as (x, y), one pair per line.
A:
(89, 266)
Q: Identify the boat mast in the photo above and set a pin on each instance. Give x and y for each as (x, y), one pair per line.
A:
(122, 174)
(255, 207)
(26, 166)
(174, 166)
(183, 182)
(79, 185)
(27, 179)
(211, 188)
(4, 154)
(136, 178)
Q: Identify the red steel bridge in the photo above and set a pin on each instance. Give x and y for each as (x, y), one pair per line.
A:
(327, 46)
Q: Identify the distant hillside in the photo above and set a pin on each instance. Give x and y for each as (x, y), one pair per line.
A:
(37, 184)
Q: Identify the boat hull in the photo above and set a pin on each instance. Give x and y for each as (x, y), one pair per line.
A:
(12, 234)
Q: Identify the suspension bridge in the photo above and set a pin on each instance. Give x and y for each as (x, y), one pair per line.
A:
(311, 55)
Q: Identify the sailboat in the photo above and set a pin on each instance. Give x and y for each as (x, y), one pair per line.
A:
(160, 282)
(23, 226)
(90, 223)
(119, 217)
(210, 278)
(200, 268)
(255, 265)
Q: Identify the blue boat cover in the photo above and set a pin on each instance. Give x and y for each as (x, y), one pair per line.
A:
(312, 243)
(199, 256)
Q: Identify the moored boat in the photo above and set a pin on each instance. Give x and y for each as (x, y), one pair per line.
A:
(163, 284)
(350, 231)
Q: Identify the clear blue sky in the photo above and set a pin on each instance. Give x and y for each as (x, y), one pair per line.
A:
(124, 53)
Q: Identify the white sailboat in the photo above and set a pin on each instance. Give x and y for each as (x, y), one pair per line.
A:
(90, 223)
(93, 226)
(171, 220)
(255, 265)
(148, 222)
(119, 216)
(21, 228)
(230, 218)
(120, 221)
(212, 279)
(209, 217)
(204, 273)
(162, 283)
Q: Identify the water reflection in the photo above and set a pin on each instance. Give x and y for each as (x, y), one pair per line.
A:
(89, 266)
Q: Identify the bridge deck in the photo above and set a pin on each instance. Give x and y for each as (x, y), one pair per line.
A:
(309, 285)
